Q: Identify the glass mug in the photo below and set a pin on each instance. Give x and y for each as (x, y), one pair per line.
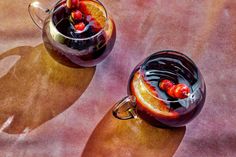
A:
(67, 45)
(163, 107)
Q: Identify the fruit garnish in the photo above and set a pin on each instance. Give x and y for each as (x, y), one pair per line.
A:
(76, 15)
(171, 91)
(165, 84)
(72, 3)
(68, 4)
(181, 91)
(80, 26)
(148, 102)
(149, 88)
(95, 10)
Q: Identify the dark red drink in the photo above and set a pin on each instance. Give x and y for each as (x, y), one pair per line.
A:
(158, 107)
(85, 45)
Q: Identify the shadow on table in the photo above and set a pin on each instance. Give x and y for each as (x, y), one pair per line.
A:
(34, 88)
(113, 137)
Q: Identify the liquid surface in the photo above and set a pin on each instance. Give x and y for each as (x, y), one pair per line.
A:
(75, 48)
(92, 16)
(155, 104)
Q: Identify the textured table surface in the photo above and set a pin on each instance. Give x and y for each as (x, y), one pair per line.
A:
(203, 30)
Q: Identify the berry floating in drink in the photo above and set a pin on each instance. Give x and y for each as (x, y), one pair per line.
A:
(180, 91)
(165, 84)
(80, 26)
(76, 15)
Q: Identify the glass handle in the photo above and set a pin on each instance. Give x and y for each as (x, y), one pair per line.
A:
(125, 109)
(38, 13)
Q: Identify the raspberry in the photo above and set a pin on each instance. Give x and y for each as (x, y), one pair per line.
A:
(76, 15)
(80, 26)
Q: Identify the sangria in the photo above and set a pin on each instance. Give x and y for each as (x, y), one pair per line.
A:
(166, 90)
(77, 32)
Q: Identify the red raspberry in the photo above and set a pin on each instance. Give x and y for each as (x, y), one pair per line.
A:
(80, 26)
(75, 3)
(76, 15)
(165, 84)
(181, 91)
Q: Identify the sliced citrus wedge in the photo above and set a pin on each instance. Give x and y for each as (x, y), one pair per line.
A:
(94, 9)
(149, 102)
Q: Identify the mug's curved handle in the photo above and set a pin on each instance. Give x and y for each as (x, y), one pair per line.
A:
(38, 13)
(125, 109)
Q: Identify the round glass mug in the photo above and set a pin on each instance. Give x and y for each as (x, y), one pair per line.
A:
(70, 47)
(151, 103)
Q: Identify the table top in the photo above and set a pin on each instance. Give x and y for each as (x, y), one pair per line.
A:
(65, 107)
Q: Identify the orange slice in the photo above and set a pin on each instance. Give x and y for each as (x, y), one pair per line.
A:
(94, 9)
(146, 99)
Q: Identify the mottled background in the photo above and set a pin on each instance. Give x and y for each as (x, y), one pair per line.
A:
(204, 30)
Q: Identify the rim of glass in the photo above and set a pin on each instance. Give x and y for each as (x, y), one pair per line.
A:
(182, 55)
(87, 38)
